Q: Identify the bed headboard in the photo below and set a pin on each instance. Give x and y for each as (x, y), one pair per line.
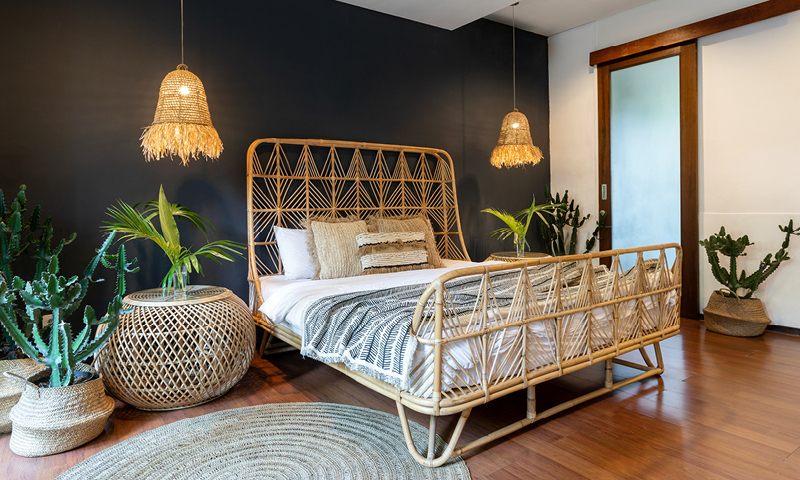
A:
(290, 179)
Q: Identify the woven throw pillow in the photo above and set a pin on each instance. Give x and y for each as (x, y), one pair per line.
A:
(418, 223)
(332, 245)
(392, 252)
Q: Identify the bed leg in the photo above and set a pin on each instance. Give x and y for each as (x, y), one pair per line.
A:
(432, 461)
(432, 438)
(609, 379)
(532, 402)
(267, 336)
(659, 358)
(646, 357)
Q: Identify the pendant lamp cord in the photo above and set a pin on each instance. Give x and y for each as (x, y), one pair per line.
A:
(513, 49)
(182, 32)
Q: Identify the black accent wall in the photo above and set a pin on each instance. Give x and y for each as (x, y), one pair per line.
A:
(79, 80)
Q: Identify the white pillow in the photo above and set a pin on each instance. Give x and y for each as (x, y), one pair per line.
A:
(293, 247)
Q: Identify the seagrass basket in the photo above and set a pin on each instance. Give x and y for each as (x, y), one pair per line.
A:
(734, 316)
(54, 420)
(10, 390)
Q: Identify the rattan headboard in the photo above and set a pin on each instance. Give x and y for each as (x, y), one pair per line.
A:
(290, 179)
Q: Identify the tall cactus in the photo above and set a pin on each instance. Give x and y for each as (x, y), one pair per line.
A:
(725, 244)
(19, 236)
(14, 241)
(61, 297)
(557, 242)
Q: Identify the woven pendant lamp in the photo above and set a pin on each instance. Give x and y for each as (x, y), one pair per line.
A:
(515, 147)
(182, 124)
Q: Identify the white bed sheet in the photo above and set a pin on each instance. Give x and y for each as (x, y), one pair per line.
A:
(286, 302)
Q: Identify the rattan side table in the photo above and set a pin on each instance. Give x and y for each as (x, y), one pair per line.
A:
(512, 256)
(178, 351)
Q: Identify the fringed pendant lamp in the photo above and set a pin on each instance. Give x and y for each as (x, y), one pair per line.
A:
(182, 125)
(515, 147)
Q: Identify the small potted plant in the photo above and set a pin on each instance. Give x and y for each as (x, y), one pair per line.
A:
(519, 222)
(20, 235)
(733, 310)
(133, 224)
(65, 406)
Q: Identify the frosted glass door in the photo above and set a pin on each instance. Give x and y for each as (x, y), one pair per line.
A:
(645, 156)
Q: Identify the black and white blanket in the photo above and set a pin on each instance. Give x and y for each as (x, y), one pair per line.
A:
(369, 331)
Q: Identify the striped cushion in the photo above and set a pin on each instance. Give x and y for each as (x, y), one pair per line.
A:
(417, 223)
(392, 252)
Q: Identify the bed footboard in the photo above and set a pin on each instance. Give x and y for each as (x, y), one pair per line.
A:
(540, 334)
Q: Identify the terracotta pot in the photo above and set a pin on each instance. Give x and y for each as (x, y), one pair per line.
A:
(738, 317)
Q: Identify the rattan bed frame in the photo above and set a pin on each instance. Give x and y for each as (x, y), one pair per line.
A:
(290, 179)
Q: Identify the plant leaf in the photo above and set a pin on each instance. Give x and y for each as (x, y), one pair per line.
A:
(168, 226)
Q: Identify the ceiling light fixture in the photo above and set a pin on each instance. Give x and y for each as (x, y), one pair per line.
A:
(515, 147)
(182, 124)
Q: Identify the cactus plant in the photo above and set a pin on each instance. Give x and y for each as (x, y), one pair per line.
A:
(19, 236)
(731, 278)
(13, 240)
(557, 242)
(61, 296)
(131, 223)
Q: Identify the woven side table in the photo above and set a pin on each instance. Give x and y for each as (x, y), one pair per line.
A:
(175, 352)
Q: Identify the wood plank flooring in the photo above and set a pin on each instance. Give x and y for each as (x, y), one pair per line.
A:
(726, 408)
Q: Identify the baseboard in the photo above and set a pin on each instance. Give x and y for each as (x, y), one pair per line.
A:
(784, 329)
(774, 328)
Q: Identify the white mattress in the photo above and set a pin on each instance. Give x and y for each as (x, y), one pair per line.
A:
(286, 301)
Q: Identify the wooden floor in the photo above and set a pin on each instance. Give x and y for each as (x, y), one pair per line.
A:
(725, 408)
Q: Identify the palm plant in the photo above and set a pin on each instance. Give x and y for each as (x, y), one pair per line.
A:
(133, 224)
(519, 222)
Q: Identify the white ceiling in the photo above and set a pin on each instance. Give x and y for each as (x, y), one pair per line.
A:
(548, 17)
(447, 14)
(545, 17)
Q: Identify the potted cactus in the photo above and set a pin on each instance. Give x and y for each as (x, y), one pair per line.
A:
(21, 235)
(68, 407)
(733, 310)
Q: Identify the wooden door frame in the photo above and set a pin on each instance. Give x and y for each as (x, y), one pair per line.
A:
(690, 211)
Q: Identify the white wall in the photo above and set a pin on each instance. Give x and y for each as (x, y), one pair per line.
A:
(749, 129)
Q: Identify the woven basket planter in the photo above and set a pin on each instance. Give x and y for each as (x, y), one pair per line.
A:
(54, 420)
(738, 317)
(10, 390)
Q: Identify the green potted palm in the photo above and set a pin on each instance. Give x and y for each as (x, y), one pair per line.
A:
(518, 223)
(203, 337)
(65, 406)
(733, 310)
(132, 223)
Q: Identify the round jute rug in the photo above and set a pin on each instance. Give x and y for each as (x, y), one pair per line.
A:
(273, 441)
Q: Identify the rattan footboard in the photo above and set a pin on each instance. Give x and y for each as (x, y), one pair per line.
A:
(643, 307)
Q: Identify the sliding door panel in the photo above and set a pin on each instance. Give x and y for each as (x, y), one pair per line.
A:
(646, 155)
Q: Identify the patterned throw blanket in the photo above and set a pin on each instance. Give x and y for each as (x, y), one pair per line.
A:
(369, 331)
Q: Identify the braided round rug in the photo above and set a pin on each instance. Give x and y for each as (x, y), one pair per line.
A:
(273, 441)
